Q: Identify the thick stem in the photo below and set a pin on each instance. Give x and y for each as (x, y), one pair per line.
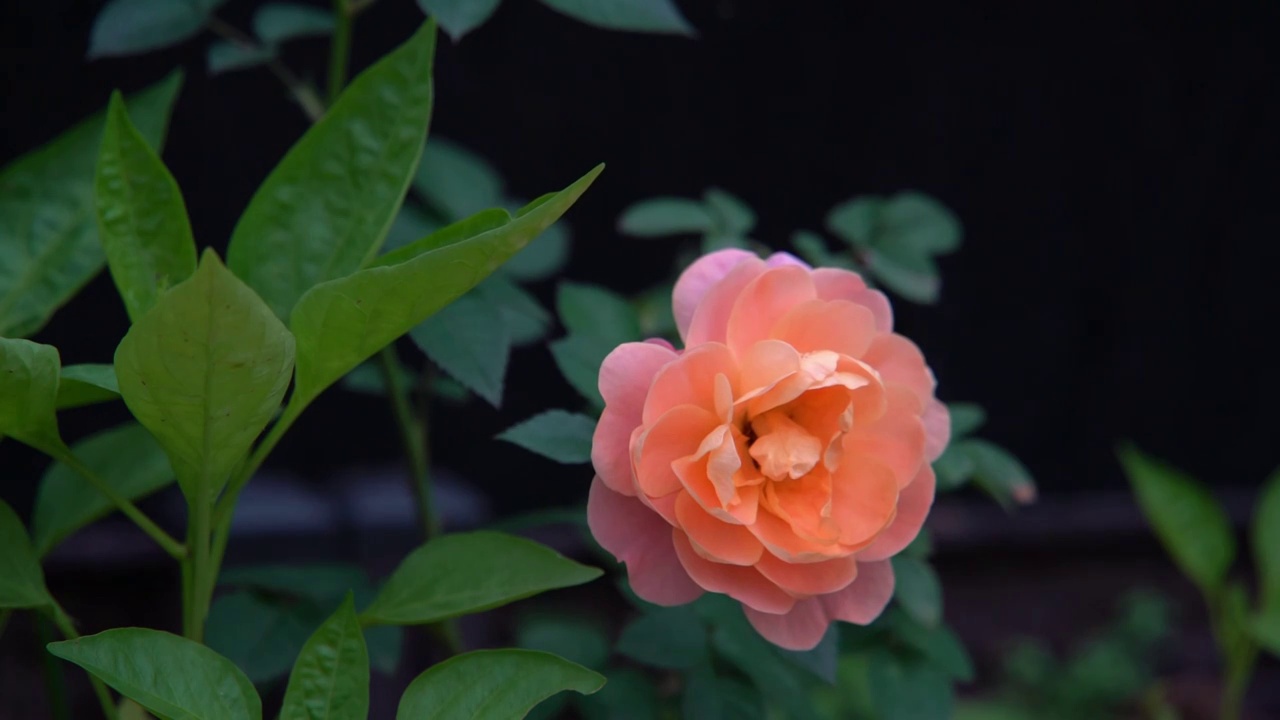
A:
(203, 574)
(1239, 673)
(413, 436)
(68, 631)
(340, 50)
(164, 539)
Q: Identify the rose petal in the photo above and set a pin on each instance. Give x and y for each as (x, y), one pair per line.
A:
(676, 434)
(937, 427)
(808, 579)
(710, 321)
(896, 439)
(839, 325)
(698, 279)
(800, 629)
(689, 380)
(779, 259)
(743, 584)
(764, 302)
(865, 598)
(898, 360)
(837, 284)
(778, 538)
(714, 539)
(641, 539)
(913, 507)
(864, 497)
(611, 450)
(627, 372)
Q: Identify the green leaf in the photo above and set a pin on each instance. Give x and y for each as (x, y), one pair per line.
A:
(914, 277)
(48, 236)
(321, 583)
(205, 371)
(459, 17)
(561, 436)
(455, 181)
(468, 339)
(526, 320)
(954, 468)
(576, 639)
(467, 573)
(225, 56)
(1185, 516)
(279, 22)
(130, 710)
(324, 211)
(330, 680)
(342, 322)
(778, 680)
(492, 685)
(132, 27)
(811, 247)
(918, 590)
(87, 384)
(966, 418)
(938, 645)
(997, 472)
(543, 258)
(730, 214)
(906, 690)
(21, 579)
(1266, 547)
(142, 219)
(412, 223)
(663, 216)
(29, 393)
(126, 458)
(595, 312)
(671, 638)
(1266, 632)
(262, 636)
(821, 660)
(649, 16)
(629, 695)
(171, 676)
(579, 359)
(708, 697)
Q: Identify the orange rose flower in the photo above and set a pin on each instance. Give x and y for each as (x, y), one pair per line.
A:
(782, 458)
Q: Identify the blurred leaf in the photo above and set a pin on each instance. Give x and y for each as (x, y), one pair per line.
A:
(28, 394)
(1266, 631)
(729, 213)
(279, 22)
(671, 638)
(226, 56)
(412, 223)
(455, 181)
(168, 675)
(126, 458)
(261, 636)
(708, 697)
(918, 590)
(321, 583)
(713, 242)
(655, 314)
(966, 418)
(1266, 546)
(663, 216)
(385, 644)
(341, 323)
(367, 378)
(459, 17)
(492, 685)
(938, 645)
(132, 27)
(130, 710)
(325, 209)
(813, 249)
(330, 680)
(576, 639)
(652, 16)
(913, 277)
(526, 320)
(579, 359)
(87, 384)
(1185, 516)
(468, 339)
(998, 473)
(905, 690)
(466, 573)
(205, 371)
(821, 660)
(954, 468)
(992, 710)
(48, 236)
(598, 313)
(21, 579)
(736, 641)
(142, 218)
(543, 258)
(555, 434)
(576, 516)
(922, 547)
(628, 695)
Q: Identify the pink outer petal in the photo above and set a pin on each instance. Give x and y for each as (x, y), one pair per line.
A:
(678, 433)
(913, 507)
(937, 428)
(640, 538)
(837, 284)
(710, 321)
(764, 302)
(800, 629)
(625, 377)
(806, 579)
(689, 380)
(743, 584)
(697, 280)
(864, 599)
(779, 259)
(898, 360)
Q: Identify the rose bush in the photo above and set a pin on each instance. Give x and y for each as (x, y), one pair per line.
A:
(781, 458)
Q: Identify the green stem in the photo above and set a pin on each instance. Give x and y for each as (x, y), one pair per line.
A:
(1239, 673)
(303, 93)
(340, 50)
(413, 435)
(202, 575)
(68, 631)
(176, 549)
(55, 683)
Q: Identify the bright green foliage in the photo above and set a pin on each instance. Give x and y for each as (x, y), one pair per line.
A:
(311, 221)
(204, 371)
(126, 458)
(493, 685)
(330, 680)
(650, 16)
(561, 436)
(171, 676)
(142, 219)
(466, 573)
(21, 579)
(87, 384)
(48, 236)
(130, 27)
(29, 393)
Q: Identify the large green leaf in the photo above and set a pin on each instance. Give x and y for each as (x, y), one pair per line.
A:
(29, 394)
(330, 680)
(651, 16)
(87, 384)
(48, 236)
(561, 436)
(459, 17)
(342, 322)
(1266, 547)
(469, 572)
(469, 339)
(1188, 520)
(141, 216)
(205, 371)
(21, 579)
(326, 208)
(130, 27)
(171, 676)
(492, 685)
(126, 458)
